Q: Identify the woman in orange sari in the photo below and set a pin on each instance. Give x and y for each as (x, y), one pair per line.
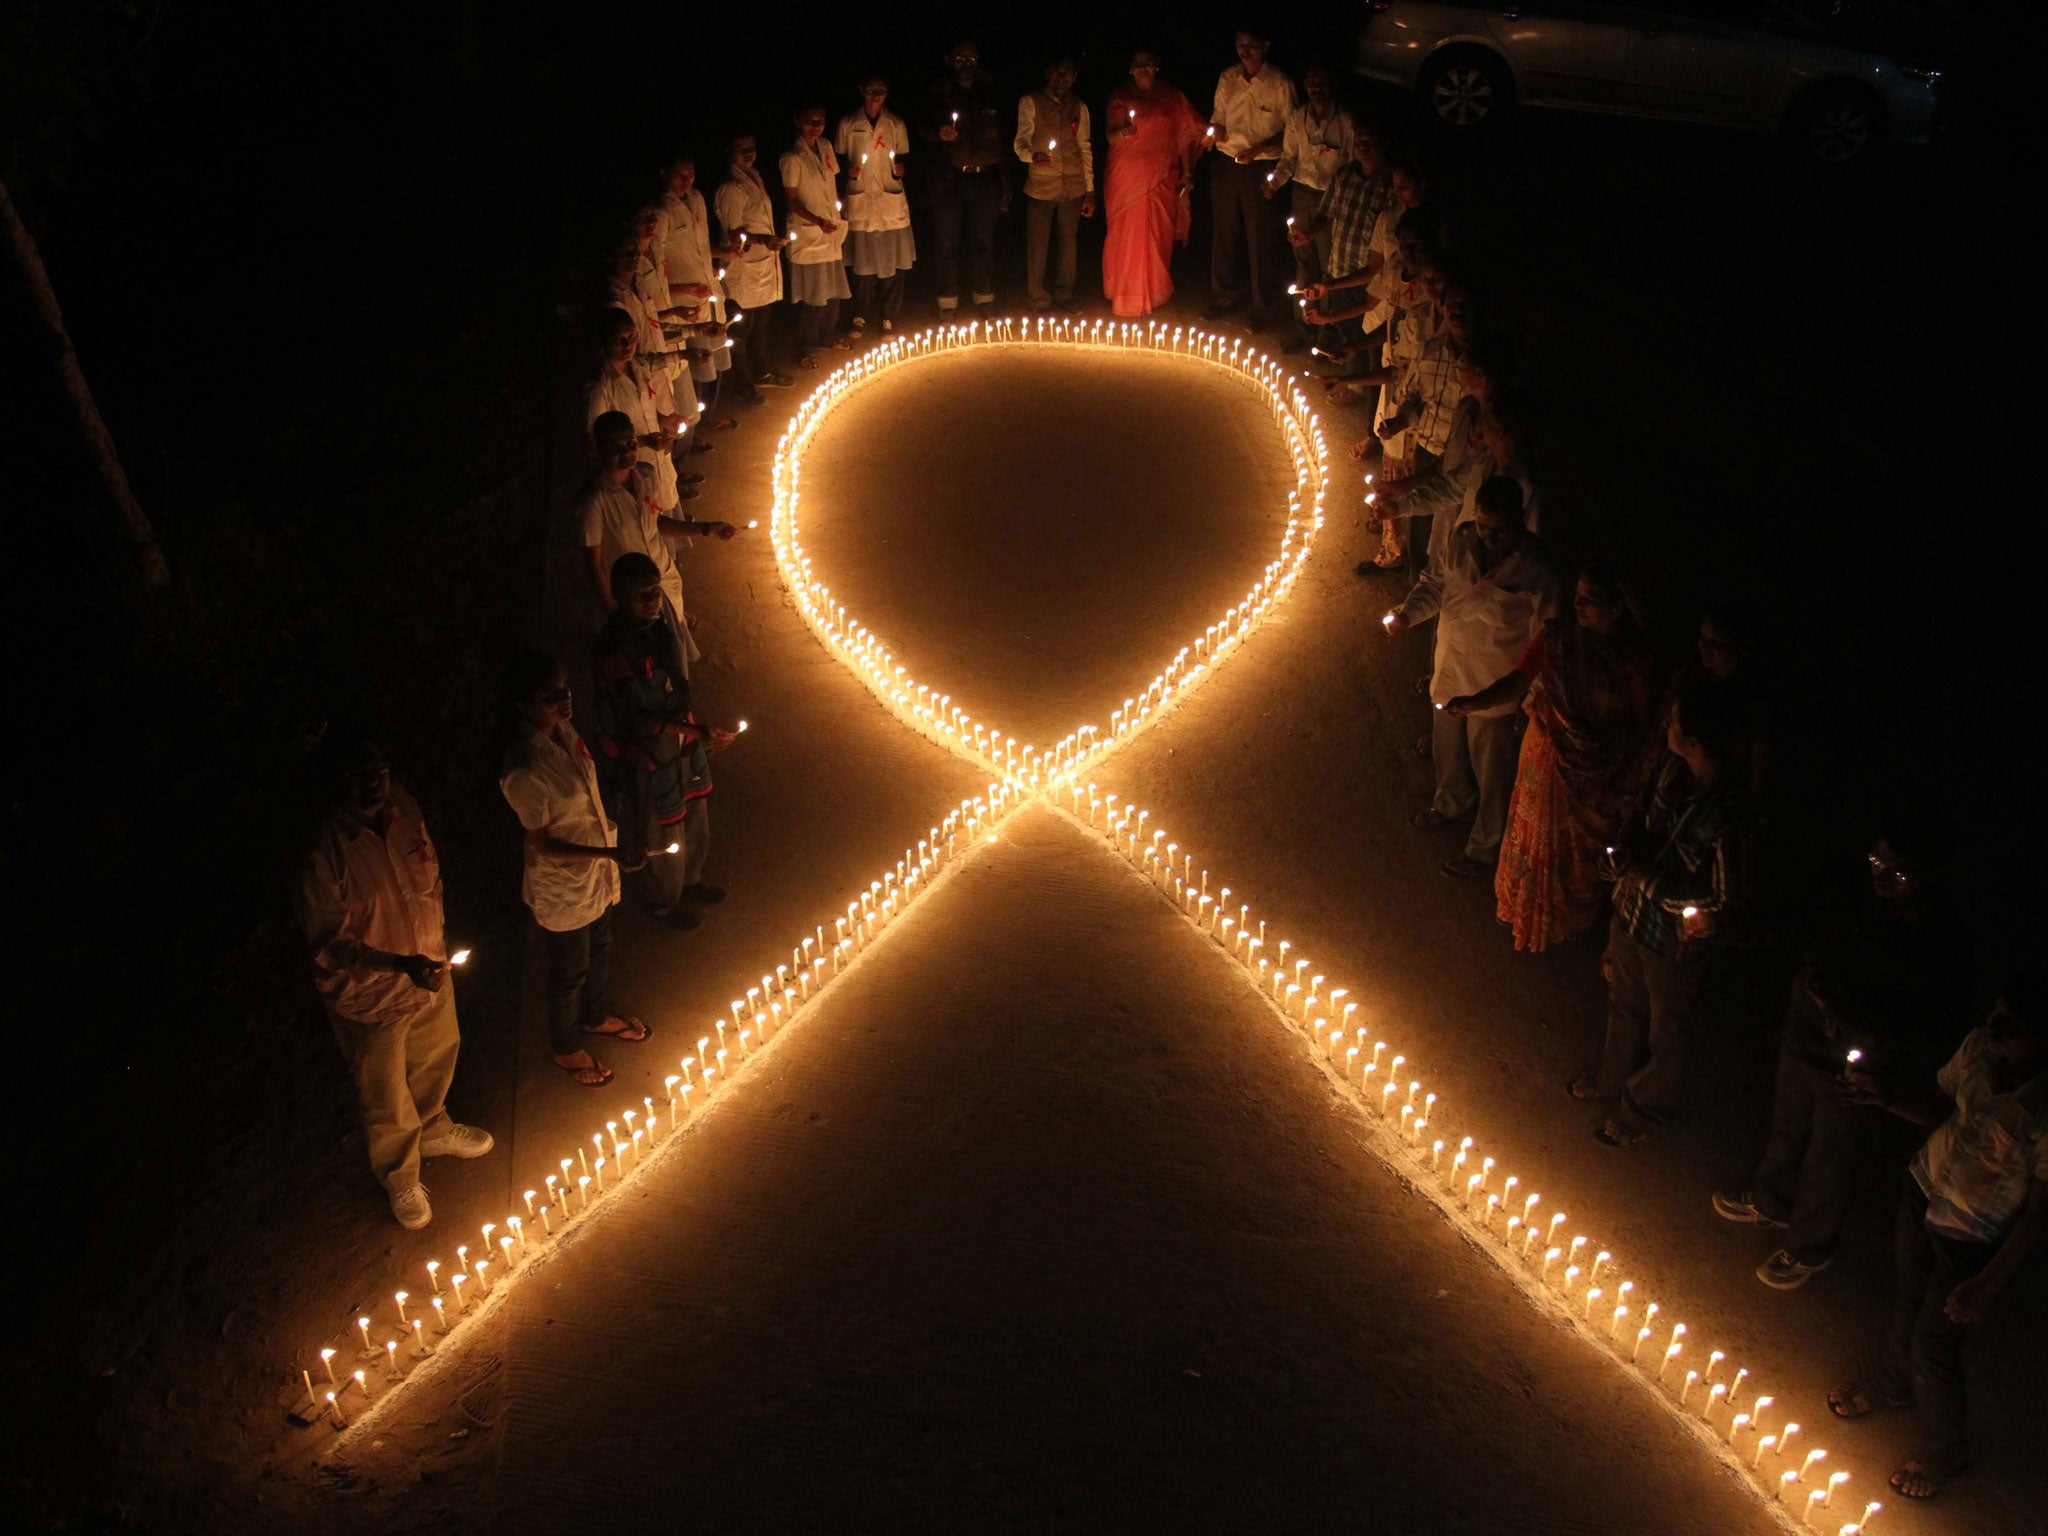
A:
(1155, 137)
(1588, 687)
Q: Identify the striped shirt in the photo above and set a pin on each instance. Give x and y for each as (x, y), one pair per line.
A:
(1689, 847)
(1352, 204)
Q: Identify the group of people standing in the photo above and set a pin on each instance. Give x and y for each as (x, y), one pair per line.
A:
(1603, 794)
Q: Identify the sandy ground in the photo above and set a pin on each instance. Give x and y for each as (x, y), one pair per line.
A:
(1041, 1220)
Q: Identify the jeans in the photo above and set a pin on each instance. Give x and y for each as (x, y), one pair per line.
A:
(1652, 1001)
(402, 1075)
(1245, 235)
(1475, 774)
(965, 213)
(1921, 1358)
(1808, 1170)
(579, 978)
(1045, 217)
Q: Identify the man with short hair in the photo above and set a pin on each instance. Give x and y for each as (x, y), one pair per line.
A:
(1253, 103)
(1490, 592)
(1317, 144)
(969, 186)
(1059, 186)
(1681, 865)
(1975, 1205)
(368, 899)
(1873, 992)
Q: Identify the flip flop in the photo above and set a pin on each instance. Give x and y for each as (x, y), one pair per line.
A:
(1619, 1133)
(1935, 1481)
(576, 1074)
(1584, 1088)
(630, 1032)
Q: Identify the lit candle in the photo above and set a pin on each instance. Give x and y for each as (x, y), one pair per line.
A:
(1763, 1444)
(420, 1346)
(363, 1323)
(327, 1363)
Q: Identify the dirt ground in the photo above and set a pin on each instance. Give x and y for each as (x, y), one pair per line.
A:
(1041, 1186)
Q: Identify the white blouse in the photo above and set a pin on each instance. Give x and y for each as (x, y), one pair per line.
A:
(873, 155)
(812, 175)
(754, 277)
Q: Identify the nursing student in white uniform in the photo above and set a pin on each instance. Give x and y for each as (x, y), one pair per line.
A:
(753, 276)
(682, 237)
(871, 144)
(817, 228)
(624, 383)
(640, 287)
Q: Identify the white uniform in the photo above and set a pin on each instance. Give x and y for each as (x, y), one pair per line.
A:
(872, 154)
(643, 397)
(753, 279)
(551, 783)
(813, 175)
(683, 237)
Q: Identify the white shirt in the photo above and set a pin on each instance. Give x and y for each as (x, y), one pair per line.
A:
(643, 397)
(361, 890)
(1028, 143)
(622, 520)
(1311, 150)
(754, 277)
(1977, 1165)
(1486, 620)
(551, 784)
(811, 176)
(873, 156)
(1249, 112)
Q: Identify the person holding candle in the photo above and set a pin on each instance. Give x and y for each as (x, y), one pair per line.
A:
(817, 264)
(871, 144)
(648, 733)
(1059, 181)
(368, 900)
(753, 273)
(1154, 136)
(1491, 591)
(1681, 865)
(1974, 1207)
(1254, 101)
(626, 384)
(1875, 990)
(1588, 687)
(969, 187)
(572, 860)
(1316, 145)
(1730, 650)
(681, 240)
(616, 512)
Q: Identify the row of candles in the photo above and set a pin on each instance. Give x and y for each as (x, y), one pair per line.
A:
(1523, 1234)
(383, 1351)
(934, 714)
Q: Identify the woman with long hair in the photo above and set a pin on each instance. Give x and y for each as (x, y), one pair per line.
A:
(1155, 136)
(1588, 686)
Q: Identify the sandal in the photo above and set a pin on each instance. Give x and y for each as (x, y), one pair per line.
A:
(725, 424)
(1913, 1481)
(588, 1073)
(1616, 1132)
(1850, 1401)
(1584, 1088)
(631, 1031)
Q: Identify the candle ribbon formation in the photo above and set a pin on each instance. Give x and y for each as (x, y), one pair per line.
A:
(1566, 1273)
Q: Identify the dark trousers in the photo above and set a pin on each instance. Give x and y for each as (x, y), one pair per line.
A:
(817, 324)
(878, 298)
(752, 356)
(1245, 235)
(1808, 1170)
(579, 976)
(964, 217)
(1047, 220)
(1652, 1003)
(1311, 261)
(1921, 1359)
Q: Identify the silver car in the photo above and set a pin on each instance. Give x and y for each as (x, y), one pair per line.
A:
(1816, 70)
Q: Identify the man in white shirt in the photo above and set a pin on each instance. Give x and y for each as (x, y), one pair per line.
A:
(1490, 593)
(1059, 181)
(1318, 140)
(368, 899)
(1253, 103)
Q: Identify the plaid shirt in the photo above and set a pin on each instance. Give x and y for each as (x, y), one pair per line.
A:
(1353, 205)
(1432, 381)
(1683, 847)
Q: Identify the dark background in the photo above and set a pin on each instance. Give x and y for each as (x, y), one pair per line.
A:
(321, 267)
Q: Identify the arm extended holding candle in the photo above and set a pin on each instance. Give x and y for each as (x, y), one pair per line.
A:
(544, 841)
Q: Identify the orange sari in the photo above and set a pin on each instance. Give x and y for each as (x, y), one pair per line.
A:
(1142, 200)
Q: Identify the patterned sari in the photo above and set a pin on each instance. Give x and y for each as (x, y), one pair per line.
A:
(1592, 732)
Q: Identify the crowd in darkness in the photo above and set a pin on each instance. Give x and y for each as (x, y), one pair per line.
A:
(1610, 795)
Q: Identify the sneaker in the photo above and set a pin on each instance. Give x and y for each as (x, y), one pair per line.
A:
(1782, 1272)
(1742, 1206)
(860, 325)
(409, 1206)
(888, 326)
(459, 1141)
(704, 895)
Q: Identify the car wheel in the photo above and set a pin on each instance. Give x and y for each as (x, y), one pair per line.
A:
(1466, 92)
(1833, 127)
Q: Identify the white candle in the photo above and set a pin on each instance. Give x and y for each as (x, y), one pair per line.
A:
(327, 1363)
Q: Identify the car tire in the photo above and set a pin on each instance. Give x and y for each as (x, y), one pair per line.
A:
(1466, 90)
(1833, 125)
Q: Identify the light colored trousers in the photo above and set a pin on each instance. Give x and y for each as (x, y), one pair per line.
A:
(402, 1072)
(1475, 774)
(667, 873)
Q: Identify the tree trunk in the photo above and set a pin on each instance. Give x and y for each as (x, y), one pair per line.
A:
(146, 555)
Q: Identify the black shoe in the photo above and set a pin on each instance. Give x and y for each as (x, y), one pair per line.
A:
(680, 918)
(1222, 307)
(1070, 304)
(704, 895)
(1256, 322)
